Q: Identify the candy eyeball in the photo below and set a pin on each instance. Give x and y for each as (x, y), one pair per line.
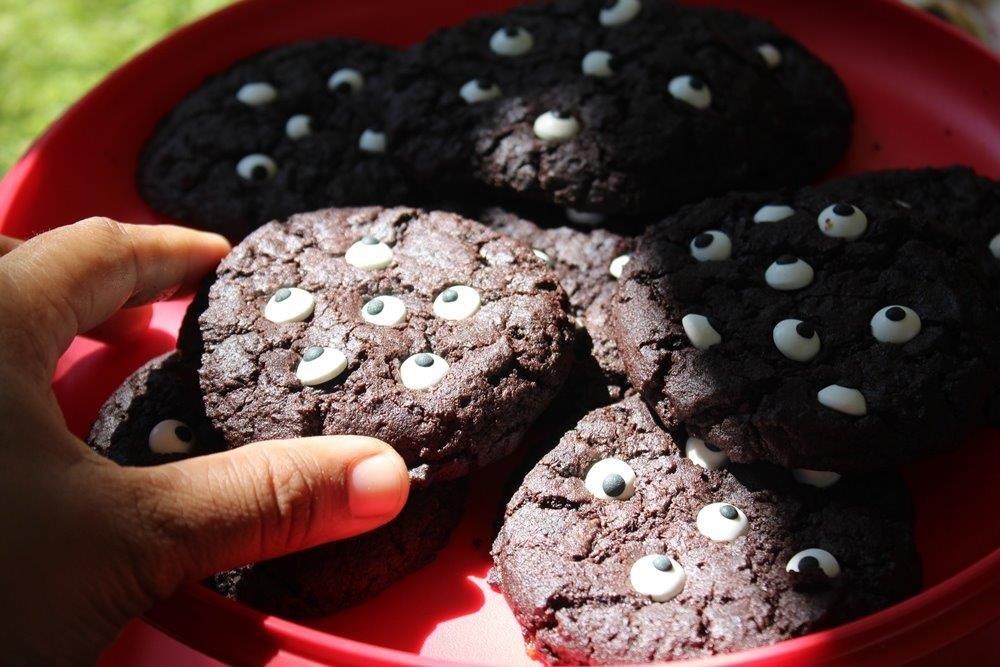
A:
(588, 218)
(372, 141)
(289, 304)
(691, 90)
(658, 576)
(796, 339)
(773, 213)
(369, 253)
(611, 479)
(843, 221)
(721, 522)
(556, 126)
(511, 41)
(544, 256)
(770, 54)
(821, 479)
(711, 246)
(422, 371)
(298, 126)
(319, 365)
(617, 266)
(256, 167)
(171, 436)
(788, 272)
(995, 246)
(385, 311)
(618, 12)
(256, 94)
(704, 454)
(598, 63)
(810, 559)
(843, 399)
(346, 80)
(457, 303)
(700, 331)
(479, 90)
(895, 324)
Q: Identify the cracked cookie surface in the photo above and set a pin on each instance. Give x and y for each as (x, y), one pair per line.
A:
(840, 332)
(581, 570)
(469, 341)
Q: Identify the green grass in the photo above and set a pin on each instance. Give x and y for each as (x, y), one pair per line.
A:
(54, 51)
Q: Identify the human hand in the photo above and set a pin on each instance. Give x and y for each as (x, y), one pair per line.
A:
(88, 544)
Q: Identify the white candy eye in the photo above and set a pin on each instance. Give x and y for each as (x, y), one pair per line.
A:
(171, 436)
(298, 126)
(457, 303)
(821, 479)
(704, 454)
(542, 255)
(711, 246)
(346, 80)
(843, 399)
(511, 41)
(995, 246)
(692, 90)
(788, 272)
(611, 479)
(618, 12)
(256, 94)
(796, 339)
(256, 167)
(895, 324)
(598, 63)
(422, 371)
(479, 90)
(289, 304)
(319, 365)
(584, 217)
(843, 221)
(556, 126)
(902, 203)
(369, 253)
(372, 141)
(770, 54)
(385, 311)
(809, 559)
(658, 576)
(721, 522)
(773, 213)
(618, 265)
(700, 331)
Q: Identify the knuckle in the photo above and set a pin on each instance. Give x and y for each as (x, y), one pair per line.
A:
(289, 491)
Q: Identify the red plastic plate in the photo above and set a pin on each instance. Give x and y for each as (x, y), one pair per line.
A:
(924, 95)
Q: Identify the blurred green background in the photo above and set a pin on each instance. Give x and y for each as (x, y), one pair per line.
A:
(53, 51)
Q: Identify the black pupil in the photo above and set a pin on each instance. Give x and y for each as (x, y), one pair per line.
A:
(805, 329)
(449, 295)
(611, 63)
(375, 307)
(703, 240)
(896, 314)
(512, 31)
(484, 84)
(184, 434)
(843, 209)
(424, 360)
(610, 4)
(259, 172)
(808, 563)
(663, 564)
(369, 240)
(787, 259)
(712, 448)
(343, 87)
(695, 83)
(560, 114)
(613, 485)
(282, 294)
(312, 353)
(729, 512)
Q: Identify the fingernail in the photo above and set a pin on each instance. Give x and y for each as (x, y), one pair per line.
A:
(375, 486)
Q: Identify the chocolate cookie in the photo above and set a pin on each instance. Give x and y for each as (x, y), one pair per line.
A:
(823, 329)
(292, 129)
(624, 107)
(426, 330)
(618, 548)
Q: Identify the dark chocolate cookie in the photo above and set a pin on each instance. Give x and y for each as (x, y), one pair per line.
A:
(619, 549)
(823, 329)
(627, 107)
(292, 129)
(426, 330)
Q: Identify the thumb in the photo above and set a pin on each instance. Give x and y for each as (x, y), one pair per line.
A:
(207, 514)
